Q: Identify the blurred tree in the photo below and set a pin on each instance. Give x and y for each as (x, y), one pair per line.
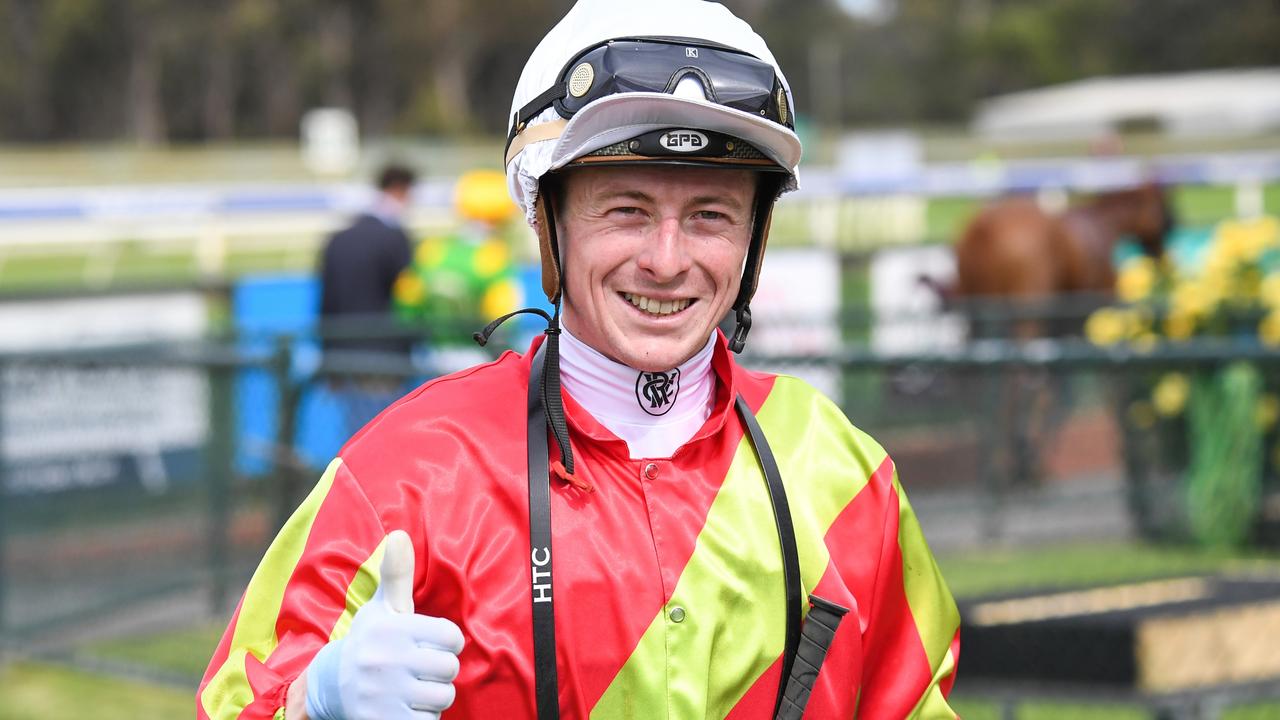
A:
(154, 70)
(218, 104)
(20, 52)
(148, 29)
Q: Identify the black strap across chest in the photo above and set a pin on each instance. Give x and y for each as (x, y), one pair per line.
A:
(546, 685)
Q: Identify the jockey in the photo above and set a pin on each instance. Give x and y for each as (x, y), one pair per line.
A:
(621, 522)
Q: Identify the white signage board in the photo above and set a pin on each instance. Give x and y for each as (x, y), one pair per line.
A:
(796, 311)
(330, 141)
(72, 426)
(889, 158)
(908, 313)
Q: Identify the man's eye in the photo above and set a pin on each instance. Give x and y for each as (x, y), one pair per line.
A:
(709, 215)
(627, 211)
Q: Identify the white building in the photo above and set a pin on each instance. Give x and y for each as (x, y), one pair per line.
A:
(1211, 102)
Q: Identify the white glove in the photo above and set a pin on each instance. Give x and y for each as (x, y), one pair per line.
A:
(392, 664)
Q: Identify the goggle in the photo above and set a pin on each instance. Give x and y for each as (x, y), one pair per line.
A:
(729, 77)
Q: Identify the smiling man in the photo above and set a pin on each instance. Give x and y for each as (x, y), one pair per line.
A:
(656, 253)
(620, 522)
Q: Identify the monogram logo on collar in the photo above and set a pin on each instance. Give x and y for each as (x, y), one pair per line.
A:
(656, 391)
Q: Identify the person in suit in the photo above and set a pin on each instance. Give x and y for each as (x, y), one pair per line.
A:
(358, 270)
(360, 265)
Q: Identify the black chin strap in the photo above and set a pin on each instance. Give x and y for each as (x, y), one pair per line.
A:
(766, 195)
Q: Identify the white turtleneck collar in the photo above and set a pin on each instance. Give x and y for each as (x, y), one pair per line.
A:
(655, 413)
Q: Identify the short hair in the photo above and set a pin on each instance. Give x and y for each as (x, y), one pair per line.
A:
(396, 176)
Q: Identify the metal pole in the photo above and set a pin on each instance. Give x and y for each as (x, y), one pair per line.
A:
(284, 459)
(4, 504)
(1136, 459)
(996, 437)
(219, 464)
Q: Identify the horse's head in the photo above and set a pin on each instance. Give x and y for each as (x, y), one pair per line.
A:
(1157, 219)
(1146, 214)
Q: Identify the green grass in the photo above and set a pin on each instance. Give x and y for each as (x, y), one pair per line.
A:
(945, 217)
(1203, 205)
(1271, 199)
(33, 691)
(1254, 711)
(979, 710)
(994, 570)
(181, 652)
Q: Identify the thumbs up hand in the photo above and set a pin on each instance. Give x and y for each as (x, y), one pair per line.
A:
(392, 664)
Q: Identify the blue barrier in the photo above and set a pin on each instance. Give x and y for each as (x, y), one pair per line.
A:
(266, 307)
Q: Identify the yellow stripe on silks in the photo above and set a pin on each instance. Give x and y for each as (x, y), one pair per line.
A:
(361, 589)
(731, 588)
(932, 607)
(932, 705)
(228, 689)
(255, 630)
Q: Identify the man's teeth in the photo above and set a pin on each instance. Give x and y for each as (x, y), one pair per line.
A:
(657, 307)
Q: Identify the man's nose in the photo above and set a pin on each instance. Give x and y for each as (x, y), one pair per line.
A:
(666, 256)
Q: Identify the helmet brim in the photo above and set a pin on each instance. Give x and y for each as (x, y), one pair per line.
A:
(623, 116)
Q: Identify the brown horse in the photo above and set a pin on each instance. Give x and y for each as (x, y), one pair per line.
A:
(1021, 261)
(1015, 251)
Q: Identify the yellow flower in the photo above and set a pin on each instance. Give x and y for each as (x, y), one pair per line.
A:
(431, 253)
(1229, 243)
(491, 258)
(1269, 328)
(1242, 241)
(1247, 285)
(1269, 291)
(1140, 319)
(1106, 326)
(1267, 412)
(1258, 235)
(502, 297)
(1179, 325)
(1170, 394)
(409, 289)
(1136, 279)
(1194, 298)
(1146, 342)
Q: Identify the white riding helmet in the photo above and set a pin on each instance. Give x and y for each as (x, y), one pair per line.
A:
(662, 81)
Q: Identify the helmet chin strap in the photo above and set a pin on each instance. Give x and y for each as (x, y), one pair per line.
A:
(549, 382)
(742, 326)
(551, 396)
(766, 195)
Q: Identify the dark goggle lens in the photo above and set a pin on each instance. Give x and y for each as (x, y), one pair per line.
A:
(730, 78)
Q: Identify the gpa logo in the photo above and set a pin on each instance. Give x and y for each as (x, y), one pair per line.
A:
(656, 391)
(683, 140)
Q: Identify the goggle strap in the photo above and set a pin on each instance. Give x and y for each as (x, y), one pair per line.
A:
(535, 106)
(537, 133)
